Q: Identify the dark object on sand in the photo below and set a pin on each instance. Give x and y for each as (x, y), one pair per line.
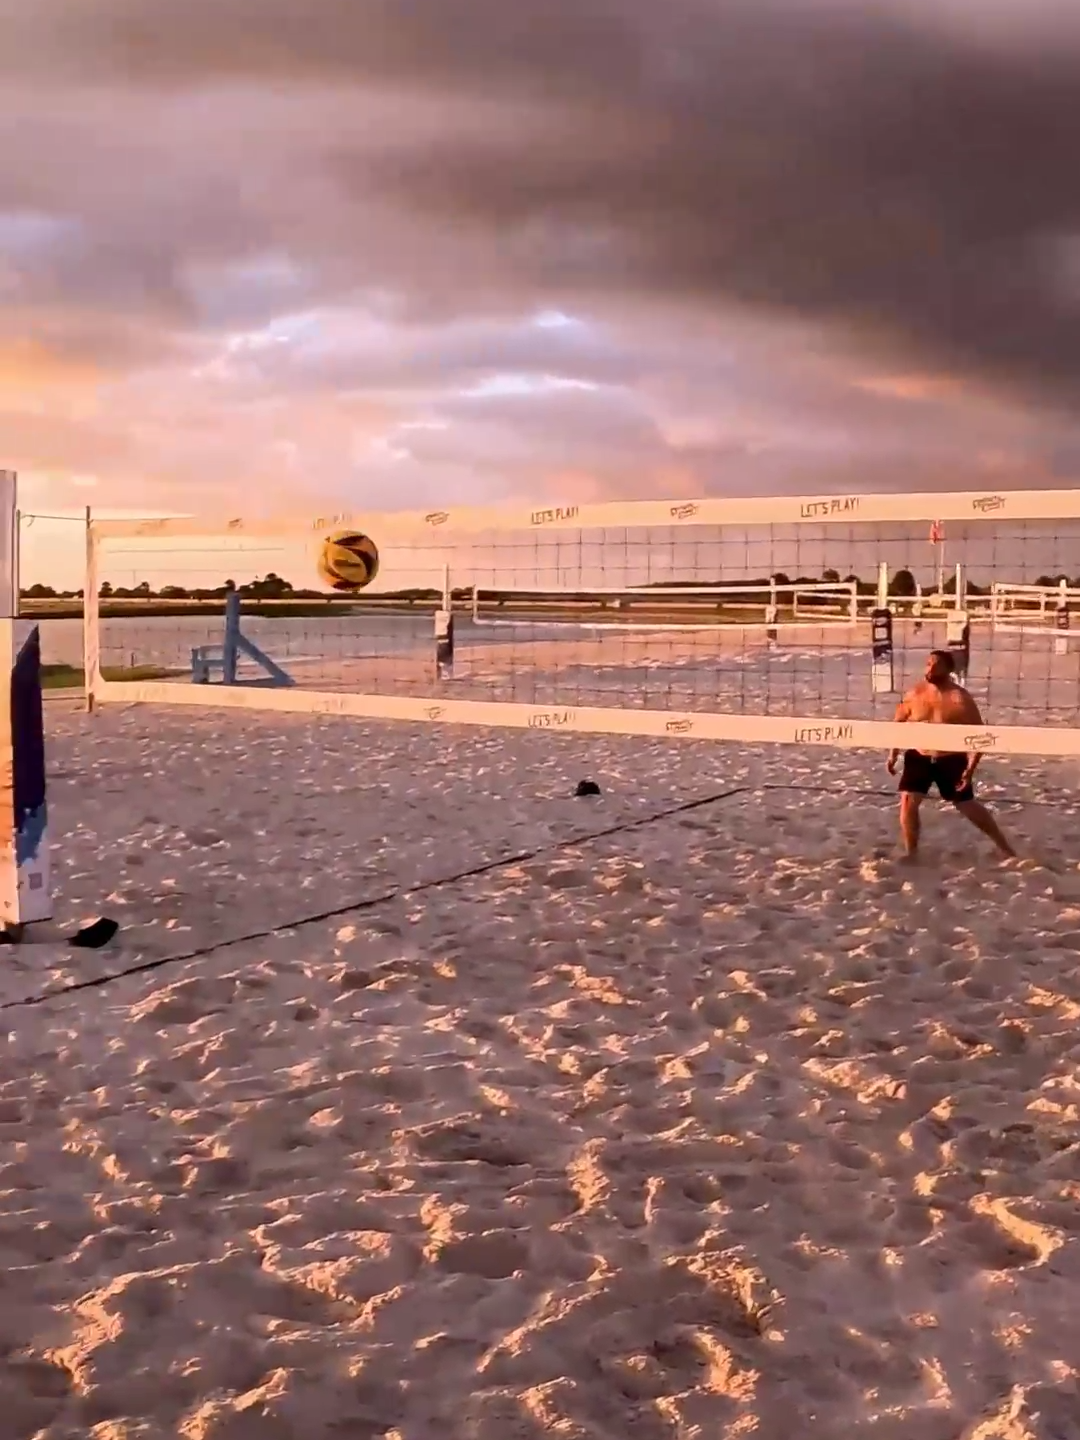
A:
(89, 937)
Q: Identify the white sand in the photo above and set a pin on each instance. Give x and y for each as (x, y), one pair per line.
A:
(721, 1126)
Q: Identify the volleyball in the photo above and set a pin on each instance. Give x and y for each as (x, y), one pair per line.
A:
(348, 561)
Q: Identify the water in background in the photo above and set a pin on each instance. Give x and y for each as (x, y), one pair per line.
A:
(1017, 678)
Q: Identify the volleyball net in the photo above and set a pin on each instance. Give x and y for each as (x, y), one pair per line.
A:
(797, 619)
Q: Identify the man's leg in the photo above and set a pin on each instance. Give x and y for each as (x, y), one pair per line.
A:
(915, 781)
(981, 818)
(910, 823)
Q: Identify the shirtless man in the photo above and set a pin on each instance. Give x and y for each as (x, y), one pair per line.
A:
(939, 700)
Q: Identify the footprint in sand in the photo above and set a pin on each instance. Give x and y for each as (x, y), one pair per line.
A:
(187, 1001)
(468, 1140)
(494, 1256)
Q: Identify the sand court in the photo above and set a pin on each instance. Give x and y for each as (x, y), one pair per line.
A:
(721, 1123)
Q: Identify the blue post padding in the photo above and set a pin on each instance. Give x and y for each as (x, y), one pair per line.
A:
(28, 751)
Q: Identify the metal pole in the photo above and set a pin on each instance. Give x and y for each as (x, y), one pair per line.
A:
(883, 584)
(91, 616)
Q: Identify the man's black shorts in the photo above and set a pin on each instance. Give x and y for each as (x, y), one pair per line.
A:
(946, 772)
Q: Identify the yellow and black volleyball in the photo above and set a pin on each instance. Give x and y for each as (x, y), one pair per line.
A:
(348, 560)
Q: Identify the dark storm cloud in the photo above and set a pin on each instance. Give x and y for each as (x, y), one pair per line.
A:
(298, 238)
(910, 191)
(859, 165)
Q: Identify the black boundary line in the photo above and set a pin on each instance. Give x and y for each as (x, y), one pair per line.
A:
(870, 794)
(355, 907)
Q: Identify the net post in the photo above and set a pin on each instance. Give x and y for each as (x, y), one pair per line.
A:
(772, 612)
(882, 668)
(91, 617)
(25, 889)
(883, 585)
(958, 628)
(444, 630)
(1061, 619)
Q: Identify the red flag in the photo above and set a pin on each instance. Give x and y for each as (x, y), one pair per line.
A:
(937, 533)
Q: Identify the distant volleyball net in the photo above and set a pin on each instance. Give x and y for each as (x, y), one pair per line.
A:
(789, 619)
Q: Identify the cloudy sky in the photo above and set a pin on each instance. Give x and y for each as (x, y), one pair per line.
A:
(399, 253)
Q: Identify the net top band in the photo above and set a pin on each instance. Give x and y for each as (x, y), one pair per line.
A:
(934, 508)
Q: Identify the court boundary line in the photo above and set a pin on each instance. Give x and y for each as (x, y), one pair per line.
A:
(372, 902)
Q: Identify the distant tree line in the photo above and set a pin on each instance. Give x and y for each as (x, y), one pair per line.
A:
(902, 584)
(270, 587)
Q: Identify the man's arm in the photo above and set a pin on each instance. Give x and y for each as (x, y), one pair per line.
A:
(903, 714)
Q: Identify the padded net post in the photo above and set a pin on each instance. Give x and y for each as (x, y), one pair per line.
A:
(444, 630)
(91, 617)
(882, 669)
(25, 888)
(958, 633)
(1061, 619)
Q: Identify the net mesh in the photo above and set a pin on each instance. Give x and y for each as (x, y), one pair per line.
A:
(737, 619)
